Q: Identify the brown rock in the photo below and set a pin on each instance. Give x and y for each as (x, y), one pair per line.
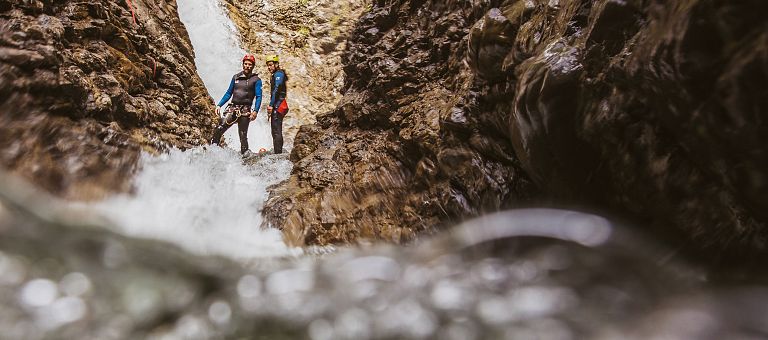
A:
(650, 111)
(74, 71)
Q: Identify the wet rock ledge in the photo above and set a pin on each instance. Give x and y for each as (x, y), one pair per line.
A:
(86, 85)
(649, 111)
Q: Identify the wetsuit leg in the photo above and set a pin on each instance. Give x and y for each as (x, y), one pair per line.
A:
(277, 132)
(218, 132)
(242, 131)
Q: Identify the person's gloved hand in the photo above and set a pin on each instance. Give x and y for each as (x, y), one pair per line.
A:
(218, 112)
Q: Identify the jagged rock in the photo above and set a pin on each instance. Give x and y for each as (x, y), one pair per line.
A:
(73, 68)
(21, 58)
(393, 116)
(647, 110)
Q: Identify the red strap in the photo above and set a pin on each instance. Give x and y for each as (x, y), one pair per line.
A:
(154, 62)
(132, 14)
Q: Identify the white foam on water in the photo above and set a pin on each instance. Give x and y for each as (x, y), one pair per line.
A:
(205, 200)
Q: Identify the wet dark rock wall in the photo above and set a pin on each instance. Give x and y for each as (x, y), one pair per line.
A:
(86, 85)
(408, 148)
(649, 111)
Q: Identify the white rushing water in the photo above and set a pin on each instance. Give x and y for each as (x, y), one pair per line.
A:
(206, 200)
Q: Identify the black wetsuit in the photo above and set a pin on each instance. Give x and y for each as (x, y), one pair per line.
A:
(243, 89)
(278, 90)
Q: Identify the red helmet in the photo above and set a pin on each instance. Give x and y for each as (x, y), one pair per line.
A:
(250, 58)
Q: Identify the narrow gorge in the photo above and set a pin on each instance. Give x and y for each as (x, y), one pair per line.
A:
(486, 169)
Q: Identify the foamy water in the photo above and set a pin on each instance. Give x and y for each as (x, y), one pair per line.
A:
(207, 201)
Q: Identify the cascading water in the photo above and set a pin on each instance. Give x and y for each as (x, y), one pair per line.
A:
(206, 199)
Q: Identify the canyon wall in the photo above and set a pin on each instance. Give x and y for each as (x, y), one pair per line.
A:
(85, 86)
(646, 111)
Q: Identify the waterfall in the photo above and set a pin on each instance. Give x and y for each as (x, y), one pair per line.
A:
(205, 199)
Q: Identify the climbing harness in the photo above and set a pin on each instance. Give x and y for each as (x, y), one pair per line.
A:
(233, 112)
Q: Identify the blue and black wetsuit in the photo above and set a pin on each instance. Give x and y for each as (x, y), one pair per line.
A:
(279, 90)
(243, 89)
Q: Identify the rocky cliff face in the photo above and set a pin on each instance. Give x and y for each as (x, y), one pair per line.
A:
(648, 110)
(401, 153)
(86, 85)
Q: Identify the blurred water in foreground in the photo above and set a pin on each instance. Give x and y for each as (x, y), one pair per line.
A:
(523, 274)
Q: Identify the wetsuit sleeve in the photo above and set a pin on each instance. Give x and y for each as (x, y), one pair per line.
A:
(257, 91)
(228, 95)
(279, 79)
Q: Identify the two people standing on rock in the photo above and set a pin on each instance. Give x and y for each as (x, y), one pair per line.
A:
(246, 94)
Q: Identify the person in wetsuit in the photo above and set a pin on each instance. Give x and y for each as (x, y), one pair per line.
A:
(244, 87)
(278, 107)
